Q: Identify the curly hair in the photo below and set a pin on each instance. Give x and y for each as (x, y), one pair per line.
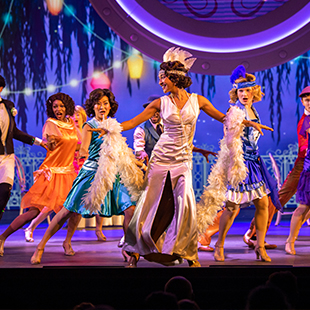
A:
(180, 81)
(79, 109)
(94, 98)
(256, 90)
(65, 99)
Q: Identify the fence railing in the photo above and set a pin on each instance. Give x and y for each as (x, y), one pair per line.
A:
(285, 159)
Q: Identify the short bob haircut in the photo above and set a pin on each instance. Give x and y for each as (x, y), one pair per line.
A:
(180, 81)
(79, 109)
(65, 99)
(94, 98)
(256, 90)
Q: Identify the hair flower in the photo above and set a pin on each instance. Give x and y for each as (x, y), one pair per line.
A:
(14, 112)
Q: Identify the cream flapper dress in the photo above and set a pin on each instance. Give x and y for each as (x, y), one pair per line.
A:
(163, 227)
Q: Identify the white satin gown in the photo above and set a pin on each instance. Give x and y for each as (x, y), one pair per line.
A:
(163, 227)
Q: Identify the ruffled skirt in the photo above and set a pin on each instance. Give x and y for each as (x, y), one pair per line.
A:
(257, 184)
(115, 203)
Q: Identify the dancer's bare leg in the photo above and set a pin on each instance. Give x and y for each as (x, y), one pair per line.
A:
(307, 216)
(18, 223)
(99, 233)
(57, 222)
(298, 218)
(73, 223)
(127, 218)
(261, 219)
(33, 225)
(226, 220)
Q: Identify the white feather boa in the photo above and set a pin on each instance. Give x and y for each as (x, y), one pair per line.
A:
(115, 157)
(228, 169)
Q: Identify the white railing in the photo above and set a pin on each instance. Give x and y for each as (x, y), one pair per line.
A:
(285, 159)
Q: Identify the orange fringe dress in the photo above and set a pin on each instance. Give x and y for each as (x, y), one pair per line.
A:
(53, 181)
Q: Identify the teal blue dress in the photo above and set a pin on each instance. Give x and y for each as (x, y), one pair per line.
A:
(116, 201)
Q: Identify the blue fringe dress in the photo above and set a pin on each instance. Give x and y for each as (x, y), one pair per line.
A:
(258, 182)
(116, 201)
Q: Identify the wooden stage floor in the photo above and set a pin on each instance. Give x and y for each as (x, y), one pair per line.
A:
(97, 272)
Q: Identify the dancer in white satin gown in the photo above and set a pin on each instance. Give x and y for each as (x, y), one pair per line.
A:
(163, 228)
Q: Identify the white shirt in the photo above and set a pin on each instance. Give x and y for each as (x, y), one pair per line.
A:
(139, 135)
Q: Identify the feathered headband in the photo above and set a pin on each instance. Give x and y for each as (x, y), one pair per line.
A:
(236, 74)
(184, 57)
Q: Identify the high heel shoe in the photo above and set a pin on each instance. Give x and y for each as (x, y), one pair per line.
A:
(37, 256)
(261, 253)
(290, 248)
(219, 253)
(2, 247)
(247, 239)
(126, 256)
(28, 235)
(205, 248)
(121, 242)
(193, 263)
(100, 236)
(68, 249)
(133, 260)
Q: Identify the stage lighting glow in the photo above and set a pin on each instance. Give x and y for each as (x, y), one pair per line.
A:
(215, 45)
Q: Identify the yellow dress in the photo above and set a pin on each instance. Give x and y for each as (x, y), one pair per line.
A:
(53, 181)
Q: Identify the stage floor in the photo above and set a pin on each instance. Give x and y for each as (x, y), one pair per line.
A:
(90, 252)
(97, 272)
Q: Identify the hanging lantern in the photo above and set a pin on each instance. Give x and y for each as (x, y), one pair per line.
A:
(54, 6)
(100, 80)
(135, 66)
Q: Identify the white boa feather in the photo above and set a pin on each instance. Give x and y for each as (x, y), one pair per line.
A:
(115, 157)
(228, 169)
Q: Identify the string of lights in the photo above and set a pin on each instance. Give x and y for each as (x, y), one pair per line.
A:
(6, 18)
(74, 82)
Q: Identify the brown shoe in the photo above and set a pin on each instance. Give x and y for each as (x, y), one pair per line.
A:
(206, 248)
(270, 246)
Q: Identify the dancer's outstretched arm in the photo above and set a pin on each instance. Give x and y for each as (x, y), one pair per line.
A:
(206, 106)
(147, 113)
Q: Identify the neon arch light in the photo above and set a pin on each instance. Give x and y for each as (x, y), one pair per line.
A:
(216, 45)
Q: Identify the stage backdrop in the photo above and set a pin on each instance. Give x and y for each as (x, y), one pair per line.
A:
(45, 49)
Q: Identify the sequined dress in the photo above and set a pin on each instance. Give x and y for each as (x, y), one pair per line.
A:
(116, 201)
(163, 227)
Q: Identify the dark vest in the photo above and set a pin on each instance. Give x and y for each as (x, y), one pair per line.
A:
(151, 137)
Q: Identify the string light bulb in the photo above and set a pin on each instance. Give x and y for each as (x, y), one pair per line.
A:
(54, 6)
(135, 66)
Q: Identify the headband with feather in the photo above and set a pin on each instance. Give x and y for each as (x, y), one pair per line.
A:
(176, 54)
(236, 74)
